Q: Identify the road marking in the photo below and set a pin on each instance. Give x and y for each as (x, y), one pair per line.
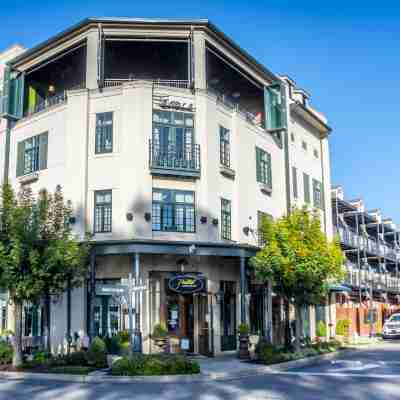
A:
(337, 374)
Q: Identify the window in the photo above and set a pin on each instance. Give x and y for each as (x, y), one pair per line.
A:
(104, 133)
(306, 183)
(173, 135)
(226, 219)
(304, 145)
(261, 216)
(316, 155)
(173, 211)
(317, 194)
(102, 211)
(264, 170)
(224, 147)
(32, 154)
(294, 179)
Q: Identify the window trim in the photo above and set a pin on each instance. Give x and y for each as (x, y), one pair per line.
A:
(102, 150)
(263, 167)
(102, 230)
(307, 188)
(225, 235)
(174, 206)
(39, 150)
(224, 147)
(318, 203)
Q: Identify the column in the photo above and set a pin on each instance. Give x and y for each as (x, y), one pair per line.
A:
(91, 294)
(242, 290)
(137, 341)
(268, 312)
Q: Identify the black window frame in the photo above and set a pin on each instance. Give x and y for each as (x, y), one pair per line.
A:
(226, 219)
(173, 211)
(104, 132)
(31, 155)
(224, 146)
(105, 209)
(260, 216)
(263, 167)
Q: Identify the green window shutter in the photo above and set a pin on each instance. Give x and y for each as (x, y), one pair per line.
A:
(275, 106)
(258, 164)
(14, 90)
(294, 179)
(307, 196)
(5, 92)
(20, 158)
(43, 149)
(269, 170)
(315, 188)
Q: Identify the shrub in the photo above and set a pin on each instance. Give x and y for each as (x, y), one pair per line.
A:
(159, 331)
(77, 358)
(39, 357)
(321, 329)
(342, 327)
(123, 336)
(6, 353)
(154, 364)
(96, 355)
(243, 329)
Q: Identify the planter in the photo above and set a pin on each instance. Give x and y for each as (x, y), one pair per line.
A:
(244, 353)
(161, 343)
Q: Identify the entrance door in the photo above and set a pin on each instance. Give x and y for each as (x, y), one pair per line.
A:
(228, 316)
(204, 325)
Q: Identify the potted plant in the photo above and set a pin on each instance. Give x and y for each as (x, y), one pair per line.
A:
(160, 336)
(244, 331)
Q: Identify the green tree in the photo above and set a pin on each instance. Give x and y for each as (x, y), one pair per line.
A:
(299, 261)
(39, 255)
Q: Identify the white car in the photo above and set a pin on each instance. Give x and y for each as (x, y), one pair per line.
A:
(391, 327)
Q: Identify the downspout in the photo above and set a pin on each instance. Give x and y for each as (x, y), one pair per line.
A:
(7, 151)
(323, 183)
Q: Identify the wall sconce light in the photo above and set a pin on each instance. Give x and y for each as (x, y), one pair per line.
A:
(203, 220)
(246, 230)
(215, 221)
(147, 217)
(129, 216)
(219, 296)
(72, 220)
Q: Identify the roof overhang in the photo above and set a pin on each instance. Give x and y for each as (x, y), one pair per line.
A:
(113, 247)
(311, 118)
(164, 24)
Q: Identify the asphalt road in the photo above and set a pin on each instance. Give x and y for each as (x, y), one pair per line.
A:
(367, 375)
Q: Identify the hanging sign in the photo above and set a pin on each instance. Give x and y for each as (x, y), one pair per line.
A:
(176, 103)
(186, 284)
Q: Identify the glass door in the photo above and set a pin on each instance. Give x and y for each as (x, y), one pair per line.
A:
(228, 316)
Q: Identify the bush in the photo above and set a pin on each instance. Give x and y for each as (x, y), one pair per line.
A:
(159, 331)
(154, 364)
(342, 327)
(6, 353)
(243, 329)
(123, 336)
(96, 355)
(77, 358)
(321, 329)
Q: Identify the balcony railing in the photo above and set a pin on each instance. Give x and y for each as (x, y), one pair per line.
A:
(174, 160)
(178, 84)
(44, 104)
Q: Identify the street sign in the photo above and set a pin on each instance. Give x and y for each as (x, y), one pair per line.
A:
(110, 290)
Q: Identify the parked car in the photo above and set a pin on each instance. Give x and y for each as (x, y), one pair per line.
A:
(391, 327)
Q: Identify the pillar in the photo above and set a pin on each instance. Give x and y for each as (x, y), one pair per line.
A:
(242, 290)
(91, 294)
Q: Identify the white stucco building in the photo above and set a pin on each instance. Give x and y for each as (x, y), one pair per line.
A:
(172, 143)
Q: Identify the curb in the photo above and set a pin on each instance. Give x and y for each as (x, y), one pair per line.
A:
(202, 377)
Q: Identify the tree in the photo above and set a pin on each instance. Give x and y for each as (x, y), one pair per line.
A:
(299, 260)
(39, 256)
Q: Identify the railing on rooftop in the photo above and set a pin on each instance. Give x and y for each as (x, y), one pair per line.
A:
(178, 84)
(44, 104)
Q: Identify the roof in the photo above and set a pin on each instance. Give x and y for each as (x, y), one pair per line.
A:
(205, 23)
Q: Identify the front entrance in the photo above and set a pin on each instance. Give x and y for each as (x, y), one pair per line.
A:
(228, 316)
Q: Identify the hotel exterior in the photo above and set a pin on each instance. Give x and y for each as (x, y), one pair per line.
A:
(371, 247)
(172, 144)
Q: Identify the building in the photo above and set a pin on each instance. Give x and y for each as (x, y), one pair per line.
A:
(370, 244)
(172, 143)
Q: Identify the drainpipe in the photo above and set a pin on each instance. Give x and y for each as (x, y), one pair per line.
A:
(7, 151)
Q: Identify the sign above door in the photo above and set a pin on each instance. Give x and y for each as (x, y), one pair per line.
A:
(187, 284)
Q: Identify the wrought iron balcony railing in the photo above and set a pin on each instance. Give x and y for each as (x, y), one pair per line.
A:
(174, 160)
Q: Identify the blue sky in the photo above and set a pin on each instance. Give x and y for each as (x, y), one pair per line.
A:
(345, 53)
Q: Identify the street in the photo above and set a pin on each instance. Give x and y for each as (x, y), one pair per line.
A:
(371, 374)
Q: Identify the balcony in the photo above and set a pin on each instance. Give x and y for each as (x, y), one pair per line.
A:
(157, 83)
(44, 104)
(183, 161)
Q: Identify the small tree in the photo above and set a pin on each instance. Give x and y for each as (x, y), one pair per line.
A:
(38, 254)
(299, 261)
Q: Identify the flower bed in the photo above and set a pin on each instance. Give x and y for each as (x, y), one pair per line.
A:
(269, 354)
(154, 364)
